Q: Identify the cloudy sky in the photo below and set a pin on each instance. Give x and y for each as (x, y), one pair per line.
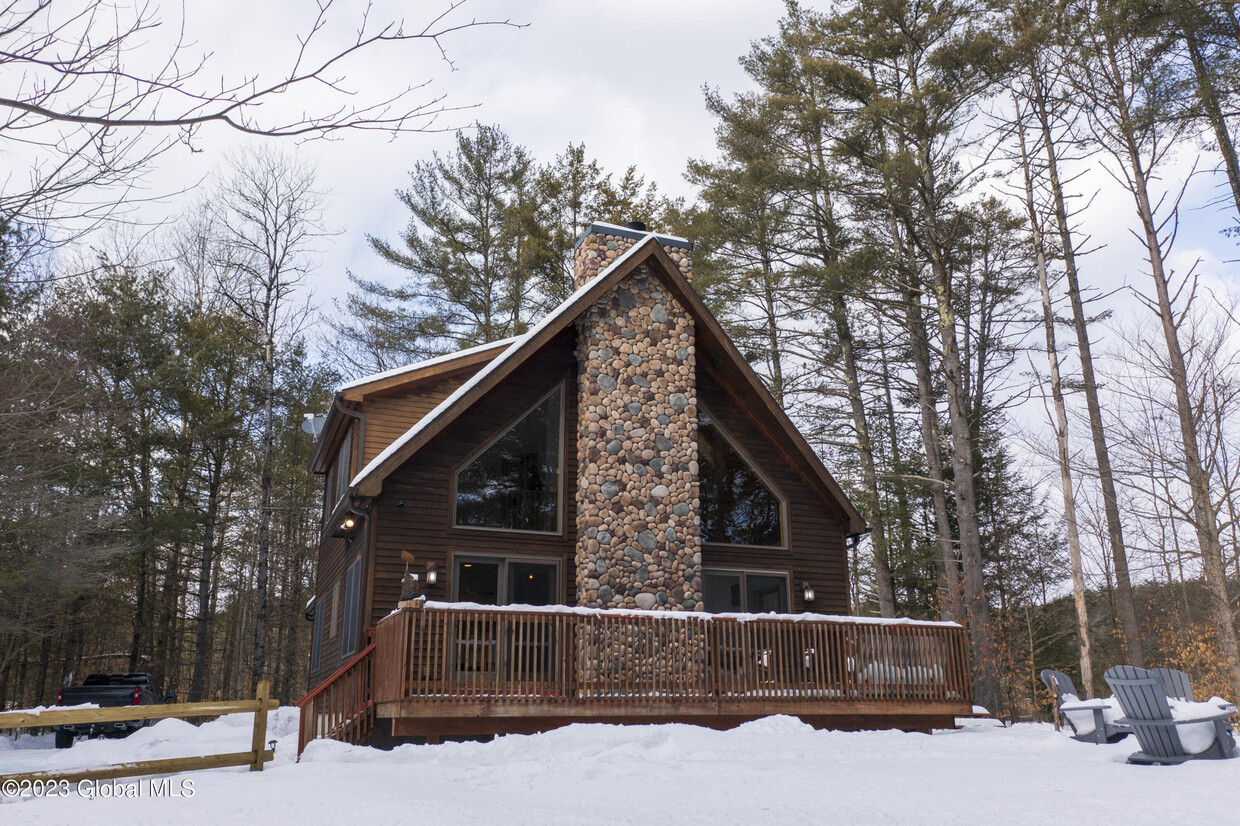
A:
(624, 78)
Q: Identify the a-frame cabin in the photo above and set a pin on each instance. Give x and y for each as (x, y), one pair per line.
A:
(620, 455)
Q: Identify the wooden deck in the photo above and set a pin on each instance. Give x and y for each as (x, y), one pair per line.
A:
(445, 670)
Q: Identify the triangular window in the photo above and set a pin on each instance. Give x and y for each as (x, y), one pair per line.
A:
(738, 507)
(514, 483)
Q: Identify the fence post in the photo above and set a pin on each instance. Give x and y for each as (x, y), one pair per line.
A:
(260, 724)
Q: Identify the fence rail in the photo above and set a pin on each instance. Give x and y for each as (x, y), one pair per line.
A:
(440, 654)
(254, 758)
(342, 707)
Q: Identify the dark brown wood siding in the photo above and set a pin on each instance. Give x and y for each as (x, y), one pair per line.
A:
(335, 556)
(389, 416)
(816, 550)
(415, 508)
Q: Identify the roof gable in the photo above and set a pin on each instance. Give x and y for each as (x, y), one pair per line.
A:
(368, 481)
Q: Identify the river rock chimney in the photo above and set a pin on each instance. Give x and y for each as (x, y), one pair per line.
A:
(637, 491)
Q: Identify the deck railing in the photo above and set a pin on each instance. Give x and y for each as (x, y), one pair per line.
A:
(343, 705)
(443, 652)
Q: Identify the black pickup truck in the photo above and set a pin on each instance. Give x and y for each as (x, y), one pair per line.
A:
(109, 691)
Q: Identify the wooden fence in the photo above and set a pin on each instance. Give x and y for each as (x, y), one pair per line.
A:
(438, 654)
(254, 758)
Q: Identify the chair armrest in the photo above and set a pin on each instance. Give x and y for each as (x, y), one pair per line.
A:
(1221, 715)
(1084, 705)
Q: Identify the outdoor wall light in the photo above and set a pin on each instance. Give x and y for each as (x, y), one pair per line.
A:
(346, 526)
(808, 592)
(432, 574)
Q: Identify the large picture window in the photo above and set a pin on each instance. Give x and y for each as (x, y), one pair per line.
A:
(738, 507)
(749, 592)
(514, 484)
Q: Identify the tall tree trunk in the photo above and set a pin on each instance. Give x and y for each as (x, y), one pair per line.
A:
(206, 563)
(259, 666)
(142, 487)
(928, 421)
(1204, 516)
(865, 454)
(1124, 604)
(1205, 520)
(976, 605)
(897, 462)
(1061, 429)
(986, 687)
(1207, 93)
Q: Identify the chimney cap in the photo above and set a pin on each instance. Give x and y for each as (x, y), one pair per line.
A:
(628, 232)
(640, 226)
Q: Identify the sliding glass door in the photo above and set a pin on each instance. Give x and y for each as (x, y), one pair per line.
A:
(495, 649)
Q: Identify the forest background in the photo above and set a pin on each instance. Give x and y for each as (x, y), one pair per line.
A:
(898, 222)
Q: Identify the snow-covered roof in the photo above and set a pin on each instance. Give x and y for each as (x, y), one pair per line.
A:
(515, 347)
(431, 362)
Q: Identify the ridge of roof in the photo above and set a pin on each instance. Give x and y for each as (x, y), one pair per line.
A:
(496, 363)
(430, 362)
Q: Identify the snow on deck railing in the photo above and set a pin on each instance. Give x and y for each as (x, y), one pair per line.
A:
(432, 652)
(681, 615)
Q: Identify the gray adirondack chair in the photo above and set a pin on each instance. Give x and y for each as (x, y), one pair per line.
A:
(1060, 684)
(1144, 700)
(1176, 683)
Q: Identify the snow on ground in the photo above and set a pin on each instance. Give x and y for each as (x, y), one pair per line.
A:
(772, 770)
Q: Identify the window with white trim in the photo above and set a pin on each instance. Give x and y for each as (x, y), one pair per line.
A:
(338, 475)
(499, 580)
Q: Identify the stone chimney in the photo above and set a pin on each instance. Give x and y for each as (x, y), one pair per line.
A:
(604, 243)
(637, 491)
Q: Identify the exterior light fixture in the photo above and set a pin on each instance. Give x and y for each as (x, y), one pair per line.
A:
(348, 523)
(432, 574)
(808, 592)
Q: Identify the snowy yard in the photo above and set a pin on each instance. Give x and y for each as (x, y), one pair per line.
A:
(772, 770)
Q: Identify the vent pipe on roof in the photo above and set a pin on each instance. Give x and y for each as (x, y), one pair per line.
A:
(637, 225)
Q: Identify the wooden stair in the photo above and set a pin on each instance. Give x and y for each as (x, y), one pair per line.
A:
(342, 707)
